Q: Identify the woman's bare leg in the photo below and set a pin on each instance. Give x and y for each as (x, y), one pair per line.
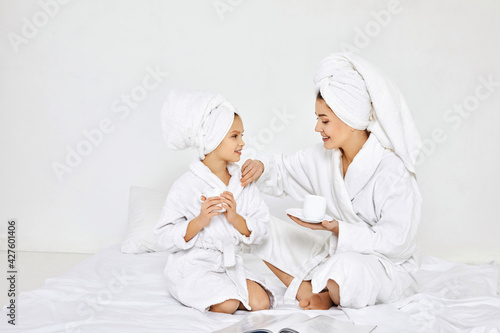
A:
(334, 291)
(307, 299)
(323, 300)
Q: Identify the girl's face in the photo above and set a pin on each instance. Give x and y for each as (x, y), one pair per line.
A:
(334, 131)
(230, 148)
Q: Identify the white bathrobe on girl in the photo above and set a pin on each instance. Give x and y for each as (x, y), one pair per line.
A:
(207, 269)
(377, 205)
(196, 271)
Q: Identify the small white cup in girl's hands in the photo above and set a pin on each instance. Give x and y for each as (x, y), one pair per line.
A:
(214, 192)
(209, 209)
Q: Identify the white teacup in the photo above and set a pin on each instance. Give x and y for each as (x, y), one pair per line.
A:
(214, 192)
(314, 207)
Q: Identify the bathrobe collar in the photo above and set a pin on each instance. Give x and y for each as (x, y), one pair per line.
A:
(363, 166)
(205, 174)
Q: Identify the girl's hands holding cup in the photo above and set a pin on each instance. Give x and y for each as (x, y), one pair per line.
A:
(208, 209)
(250, 171)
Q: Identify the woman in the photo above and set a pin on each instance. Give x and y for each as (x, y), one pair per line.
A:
(366, 170)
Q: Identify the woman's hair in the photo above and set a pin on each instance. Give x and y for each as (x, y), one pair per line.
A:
(318, 96)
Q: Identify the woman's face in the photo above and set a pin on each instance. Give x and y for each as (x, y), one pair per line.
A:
(334, 131)
(230, 147)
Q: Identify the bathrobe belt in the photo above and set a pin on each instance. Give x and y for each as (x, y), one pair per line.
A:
(229, 253)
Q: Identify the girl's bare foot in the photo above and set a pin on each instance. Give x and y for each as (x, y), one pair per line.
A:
(321, 301)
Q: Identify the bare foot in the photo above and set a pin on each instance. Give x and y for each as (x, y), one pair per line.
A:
(321, 301)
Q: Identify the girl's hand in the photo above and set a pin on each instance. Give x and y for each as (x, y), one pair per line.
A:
(232, 217)
(332, 225)
(229, 204)
(208, 210)
(250, 171)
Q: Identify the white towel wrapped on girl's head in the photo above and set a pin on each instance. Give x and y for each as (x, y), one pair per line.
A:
(196, 119)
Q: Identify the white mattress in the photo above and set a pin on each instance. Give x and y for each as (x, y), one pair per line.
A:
(115, 292)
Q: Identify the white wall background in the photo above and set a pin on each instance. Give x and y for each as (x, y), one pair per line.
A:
(68, 75)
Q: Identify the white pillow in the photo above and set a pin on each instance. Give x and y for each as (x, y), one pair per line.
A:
(144, 209)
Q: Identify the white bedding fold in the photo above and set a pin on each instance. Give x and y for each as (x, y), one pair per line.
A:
(116, 292)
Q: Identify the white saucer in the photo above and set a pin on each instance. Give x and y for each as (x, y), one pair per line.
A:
(297, 212)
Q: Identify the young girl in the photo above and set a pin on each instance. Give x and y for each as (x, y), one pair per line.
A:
(204, 270)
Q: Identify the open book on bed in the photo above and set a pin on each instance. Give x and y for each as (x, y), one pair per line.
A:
(294, 323)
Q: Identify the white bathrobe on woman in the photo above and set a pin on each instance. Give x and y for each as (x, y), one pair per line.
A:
(208, 269)
(377, 206)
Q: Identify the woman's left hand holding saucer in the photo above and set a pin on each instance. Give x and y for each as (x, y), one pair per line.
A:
(332, 225)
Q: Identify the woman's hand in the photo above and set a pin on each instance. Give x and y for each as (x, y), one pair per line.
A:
(250, 171)
(208, 210)
(332, 225)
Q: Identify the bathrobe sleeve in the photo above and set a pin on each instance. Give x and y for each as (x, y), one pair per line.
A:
(256, 215)
(172, 225)
(397, 203)
(287, 174)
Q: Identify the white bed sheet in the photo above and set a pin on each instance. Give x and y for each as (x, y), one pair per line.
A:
(115, 292)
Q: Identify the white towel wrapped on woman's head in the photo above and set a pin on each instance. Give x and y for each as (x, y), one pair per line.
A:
(363, 98)
(344, 90)
(196, 119)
